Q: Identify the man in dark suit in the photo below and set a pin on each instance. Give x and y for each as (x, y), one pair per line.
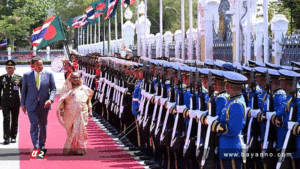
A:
(38, 92)
(10, 84)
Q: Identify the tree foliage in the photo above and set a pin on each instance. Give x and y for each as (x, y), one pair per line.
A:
(293, 7)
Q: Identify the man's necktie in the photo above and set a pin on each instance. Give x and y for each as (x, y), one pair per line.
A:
(9, 77)
(37, 79)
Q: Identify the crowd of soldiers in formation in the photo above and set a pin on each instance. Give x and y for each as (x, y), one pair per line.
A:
(199, 115)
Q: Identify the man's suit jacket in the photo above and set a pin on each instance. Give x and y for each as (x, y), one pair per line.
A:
(31, 95)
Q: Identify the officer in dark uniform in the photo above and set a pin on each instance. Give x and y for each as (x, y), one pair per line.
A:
(10, 84)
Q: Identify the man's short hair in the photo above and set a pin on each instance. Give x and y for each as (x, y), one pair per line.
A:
(35, 60)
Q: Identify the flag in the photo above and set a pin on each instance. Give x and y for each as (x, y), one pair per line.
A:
(99, 7)
(3, 43)
(71, 21)
(80, 21)
(127, 3)
(36, 33)
(54, 32)
(112, 7)
(90, 13)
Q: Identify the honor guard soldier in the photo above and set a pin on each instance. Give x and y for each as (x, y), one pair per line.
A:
(271, 100)
(230, 122)
(10, 85)
(286, 115)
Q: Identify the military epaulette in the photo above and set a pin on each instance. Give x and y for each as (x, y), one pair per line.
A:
(225, 95)
(280, 91)
(204, 89)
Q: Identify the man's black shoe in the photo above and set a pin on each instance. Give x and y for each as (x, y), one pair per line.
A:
(155, 166)
(149, 162)
(133, 148)
(13, 140)
(6, 141)
(145, 158)
(139, 154)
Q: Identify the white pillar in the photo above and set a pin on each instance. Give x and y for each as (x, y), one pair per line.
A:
(9, 52)
(191, 30)
(182, 30)
(48, 53)
(168, 36)
(248, 33)
(258, 37)
(150, 40)
(266, 31)
(158, 46)
(279, 27)
(177, 36)
(211, 8)
(95, 33)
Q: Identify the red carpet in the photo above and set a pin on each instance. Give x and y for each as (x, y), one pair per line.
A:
(103, 152)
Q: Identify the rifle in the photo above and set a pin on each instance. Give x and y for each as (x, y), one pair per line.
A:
(290, 142)
(201, 128)
(165, 137)
(177, 135)
(189, 149)
(211, 137)
(270, 132)
(162, 108)
(252, 124)
(143, 99)
(149, 106)
(156, 107)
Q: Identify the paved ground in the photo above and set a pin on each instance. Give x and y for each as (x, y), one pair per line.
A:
(14, 164)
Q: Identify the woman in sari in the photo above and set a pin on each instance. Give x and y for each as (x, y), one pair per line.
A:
(74, 109)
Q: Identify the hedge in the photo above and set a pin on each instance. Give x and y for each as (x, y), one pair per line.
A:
(26, 63)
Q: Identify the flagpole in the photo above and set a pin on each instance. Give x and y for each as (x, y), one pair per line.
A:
(103, 36)
(95, 33)
(116, 28)
(65, 41)
(83, 42)
(122, 23)
(99, 28)
(78, 38)
(145, 35)
(87, 34)
(191, 30)
(182, 30)
(91, 34)
(137, 28)
(198, 31)
(161, 27)
(109, 35)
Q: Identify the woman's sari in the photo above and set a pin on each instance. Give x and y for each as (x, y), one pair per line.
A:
(73, 110)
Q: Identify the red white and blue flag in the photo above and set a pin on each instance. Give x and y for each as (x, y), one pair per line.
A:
(90, 13)
(126, 3)
(39, 33)
(80, 21)
(112, 7)
(3, 43)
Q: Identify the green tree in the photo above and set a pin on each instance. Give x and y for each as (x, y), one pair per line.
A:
(294, 10)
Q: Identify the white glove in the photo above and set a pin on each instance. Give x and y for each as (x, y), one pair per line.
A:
(180, 109)
(270, 114)
(254, 112)
(291, 124)
(200, 113)
(193, 113)
(211, 119)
